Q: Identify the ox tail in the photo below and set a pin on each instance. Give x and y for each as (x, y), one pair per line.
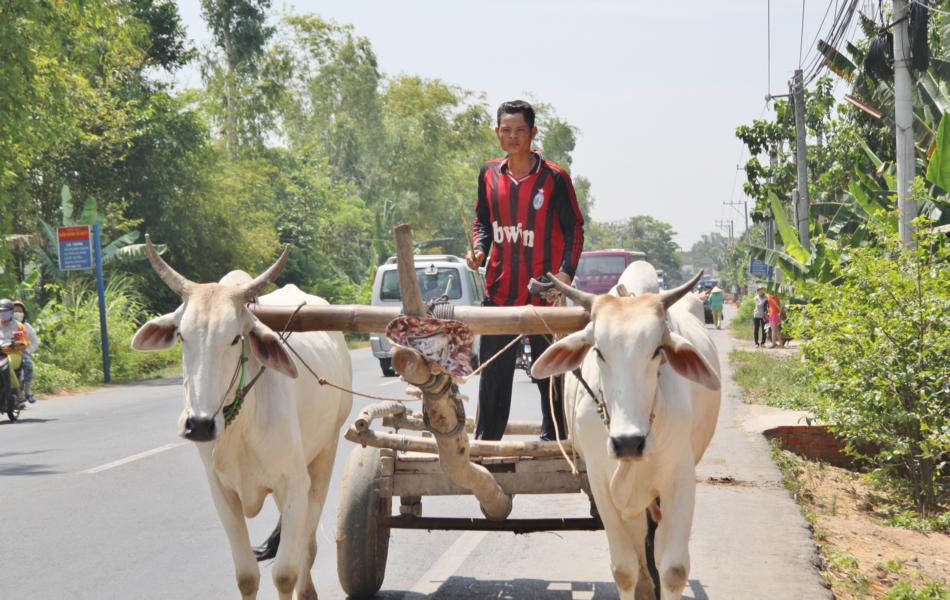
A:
(651, 544)
(268, 549)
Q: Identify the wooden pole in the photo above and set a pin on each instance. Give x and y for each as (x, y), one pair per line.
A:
(369, 319)
(440, 398)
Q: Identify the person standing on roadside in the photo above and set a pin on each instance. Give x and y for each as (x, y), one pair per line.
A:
(775, 319)
(716, 300)
(528, 221)
(759, 314)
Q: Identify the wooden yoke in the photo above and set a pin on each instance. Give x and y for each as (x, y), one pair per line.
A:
(441, 399)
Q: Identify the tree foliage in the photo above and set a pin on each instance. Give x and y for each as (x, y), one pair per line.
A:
(876, 345)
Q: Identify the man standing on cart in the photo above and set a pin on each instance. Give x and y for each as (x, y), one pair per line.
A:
(528, 218)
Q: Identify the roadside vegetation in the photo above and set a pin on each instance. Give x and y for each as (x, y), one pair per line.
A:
(871, 541)
(870, 314)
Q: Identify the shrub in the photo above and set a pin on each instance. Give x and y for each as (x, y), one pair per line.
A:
(877, 344)
(68, 327)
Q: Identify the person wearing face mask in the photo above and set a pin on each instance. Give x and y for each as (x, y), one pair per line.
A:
(13, 341)
(33, 342)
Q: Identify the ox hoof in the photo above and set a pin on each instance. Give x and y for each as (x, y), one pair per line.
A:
(498, 511)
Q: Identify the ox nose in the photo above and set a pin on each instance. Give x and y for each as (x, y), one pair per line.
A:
(199, 430)
(628, 446)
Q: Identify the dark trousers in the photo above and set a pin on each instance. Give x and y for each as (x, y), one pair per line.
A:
(758, 324)
(494, 389)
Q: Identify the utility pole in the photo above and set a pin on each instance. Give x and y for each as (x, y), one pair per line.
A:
(773, 162)
(726, 227)
(796, 89)
(904, 121)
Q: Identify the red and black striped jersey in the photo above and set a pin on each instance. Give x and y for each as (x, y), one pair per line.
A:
(532, 226)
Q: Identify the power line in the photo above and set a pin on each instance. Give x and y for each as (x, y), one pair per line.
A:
(768, 29)
(801, 37)
(812, 47)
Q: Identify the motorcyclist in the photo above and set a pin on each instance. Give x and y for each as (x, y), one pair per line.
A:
(21, 315)
(13, 342)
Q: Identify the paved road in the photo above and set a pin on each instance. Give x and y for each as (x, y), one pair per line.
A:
(102, 500)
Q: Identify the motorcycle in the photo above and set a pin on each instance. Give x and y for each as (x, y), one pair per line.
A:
(10, 402)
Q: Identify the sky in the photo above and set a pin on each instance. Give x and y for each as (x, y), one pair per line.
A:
(655, 88)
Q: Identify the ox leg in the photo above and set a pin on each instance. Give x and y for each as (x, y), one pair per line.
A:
(625, 540)
(672, 533)
(292, 496)
(228, 506)
(320, 470)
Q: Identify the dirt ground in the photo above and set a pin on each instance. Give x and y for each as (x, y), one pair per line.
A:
(862, 556)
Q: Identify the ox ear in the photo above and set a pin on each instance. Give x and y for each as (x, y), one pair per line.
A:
(565, 354)
(688, 362)
(157, 334)
(269, 350)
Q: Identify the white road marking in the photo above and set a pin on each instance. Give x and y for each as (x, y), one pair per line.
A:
(128, 459)
(448, 564)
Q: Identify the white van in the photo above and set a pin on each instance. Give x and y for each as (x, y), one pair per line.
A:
(438, 274)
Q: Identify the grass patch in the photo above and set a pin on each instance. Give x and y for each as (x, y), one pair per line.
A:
(772, 380)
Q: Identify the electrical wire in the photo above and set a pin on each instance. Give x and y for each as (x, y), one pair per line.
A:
(817, 33)
(768, 45)
(840, 32)
(801, 36)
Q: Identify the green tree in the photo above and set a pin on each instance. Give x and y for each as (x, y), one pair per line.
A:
(240, 32)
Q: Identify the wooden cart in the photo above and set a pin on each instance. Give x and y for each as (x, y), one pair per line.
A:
(436, 457)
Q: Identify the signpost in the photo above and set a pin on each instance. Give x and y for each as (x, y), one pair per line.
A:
(75, 249)
(757, 268)
(80, 246)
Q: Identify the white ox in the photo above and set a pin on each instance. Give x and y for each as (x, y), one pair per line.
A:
(283, 440)
(657, 372)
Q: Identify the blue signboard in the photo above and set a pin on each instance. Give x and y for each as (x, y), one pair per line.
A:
(75, 247)
(757, 268)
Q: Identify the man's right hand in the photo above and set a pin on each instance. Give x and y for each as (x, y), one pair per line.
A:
(475, 260)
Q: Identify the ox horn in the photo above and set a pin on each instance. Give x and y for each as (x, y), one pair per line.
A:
(669, 297)
(172, 278)
(253, 288)
(581, 298)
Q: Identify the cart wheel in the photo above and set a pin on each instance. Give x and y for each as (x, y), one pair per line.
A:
(362, 543)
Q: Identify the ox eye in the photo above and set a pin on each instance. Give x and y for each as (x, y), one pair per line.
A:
(656, 353)
(236, 339)
(599, 354)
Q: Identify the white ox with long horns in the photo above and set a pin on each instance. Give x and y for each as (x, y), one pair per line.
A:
(283, 437)
(642, 421)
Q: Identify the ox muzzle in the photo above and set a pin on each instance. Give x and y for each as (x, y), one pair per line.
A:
(627, 447)
(199, 430)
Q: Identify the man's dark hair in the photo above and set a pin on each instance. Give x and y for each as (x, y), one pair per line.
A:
(513, 107)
